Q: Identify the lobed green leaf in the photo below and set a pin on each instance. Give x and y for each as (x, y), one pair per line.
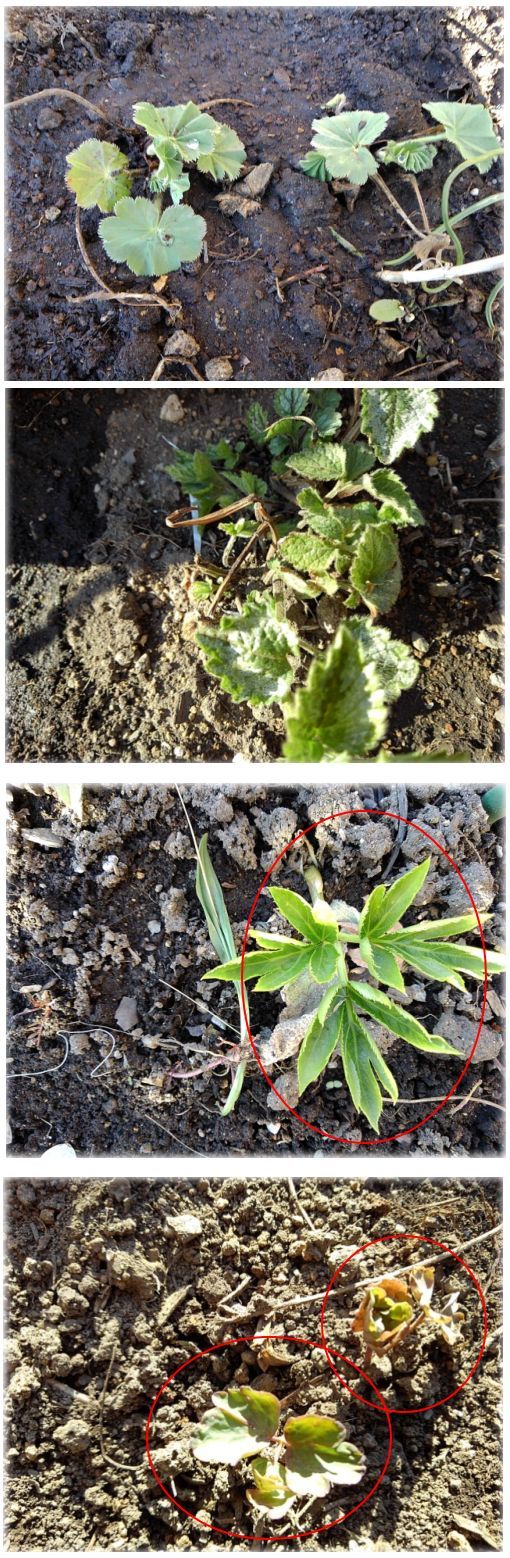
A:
(253, 653)
(98, 175)
(149, 241)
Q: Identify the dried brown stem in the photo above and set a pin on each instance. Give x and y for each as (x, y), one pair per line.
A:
(174, 523)
(377, 179)
(265, 524)
(31, 97)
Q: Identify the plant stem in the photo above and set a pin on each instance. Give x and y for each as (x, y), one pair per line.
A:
(139, 299)
(377, 179)
(454, 272)
(461, 216)
(18, 102)
(490, 303)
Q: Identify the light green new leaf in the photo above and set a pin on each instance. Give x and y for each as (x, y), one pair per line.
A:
(429, 958)
(376, 572)
(150, 241)
(399, 507)
(190, 131)
(253, 653)
(469, 127)
(383, 1010)
(315, 166)
(178, 187)
(239, 1423)
(364, 1067)
(271, 1493)
(414, 156)
(386, 311)
(394, 661)
(387, 905)
(320, 1041)
(169, 171)
(285, 427)
(272, 969)
(457, 925)
(323, 518)
(341, 711)
(323, 963)
(98, 175)
(344, 141)
(317, 923)
(394, 419)
(342, 463)
(318, 1456)
(227, 155)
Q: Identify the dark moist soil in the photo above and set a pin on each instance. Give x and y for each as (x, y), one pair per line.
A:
(103, 659)
(109, 914)
(287, 63)
(147, 1269)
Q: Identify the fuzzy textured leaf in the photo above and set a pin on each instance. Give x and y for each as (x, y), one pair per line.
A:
(469, 127)
(341, 712)
(315, 166)
(253, 653)
(149, 241)
(395, 663)
(189, 131)
(344, 141)
(97, 175)
(394, 419)
(342, 463)
(376, 572)
(398, 507)
(307, 553)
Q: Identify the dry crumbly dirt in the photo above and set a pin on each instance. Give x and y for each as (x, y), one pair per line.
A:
(103, 662)
(147, 1269)
(111, 915)
(286, 63)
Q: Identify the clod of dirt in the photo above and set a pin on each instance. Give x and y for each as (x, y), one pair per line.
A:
(73, 1437)
(181, 344)
(132, 1274)
(183, 1227)
(172, 410)
(219, 368)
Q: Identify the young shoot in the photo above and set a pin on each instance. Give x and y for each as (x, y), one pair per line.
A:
(304, 1458)
(352, 970)
(352, 147)
(154, 236)
(392, 1310)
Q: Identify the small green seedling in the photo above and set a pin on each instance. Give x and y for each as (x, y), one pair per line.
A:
(305, 1459)
(339, 505)
(386, 311)
(151, 238)
(377, 940)
(352, 147)
(392, 1309)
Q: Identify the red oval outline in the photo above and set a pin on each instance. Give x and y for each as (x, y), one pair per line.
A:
(236, 1341)
(386, 1238)
(348, 1141)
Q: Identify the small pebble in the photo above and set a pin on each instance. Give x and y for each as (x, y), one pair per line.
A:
(48, 119)
(219, 368)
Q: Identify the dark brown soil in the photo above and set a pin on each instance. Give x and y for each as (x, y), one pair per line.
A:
(112, 913)
(103, 665)
(287, 63)
(94, 1266)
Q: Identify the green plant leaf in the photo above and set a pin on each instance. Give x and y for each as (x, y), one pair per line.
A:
(457, 925)
(323, 963)
(376, 572)
(325, 409)
(315, 166)
(98, 175)
(291, 402)
(285, 428)
(239, 1423)
(210, 896)
(253, 653)
(398, 507)
(318, 1456)
(178, 187)
(387, 905)
(317, 926)
(341, 711)
(343, 463)
(394, 661)
(320, 1041)
(386, 311)
(383, 1010)
(190, 132)
(382, 963)
(227, 155)
(271, 1493)
(256, 424)
(149, 241)
(344, 141)
(169, 171)
(308, 553)
(394, 419)
(364, 1067)
(414, 156)
(443, 960)
(272, 969)
(469, 127)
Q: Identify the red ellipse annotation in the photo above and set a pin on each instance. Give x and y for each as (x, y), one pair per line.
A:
(401, 1238)
(290, 1536)
(376, 1141)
